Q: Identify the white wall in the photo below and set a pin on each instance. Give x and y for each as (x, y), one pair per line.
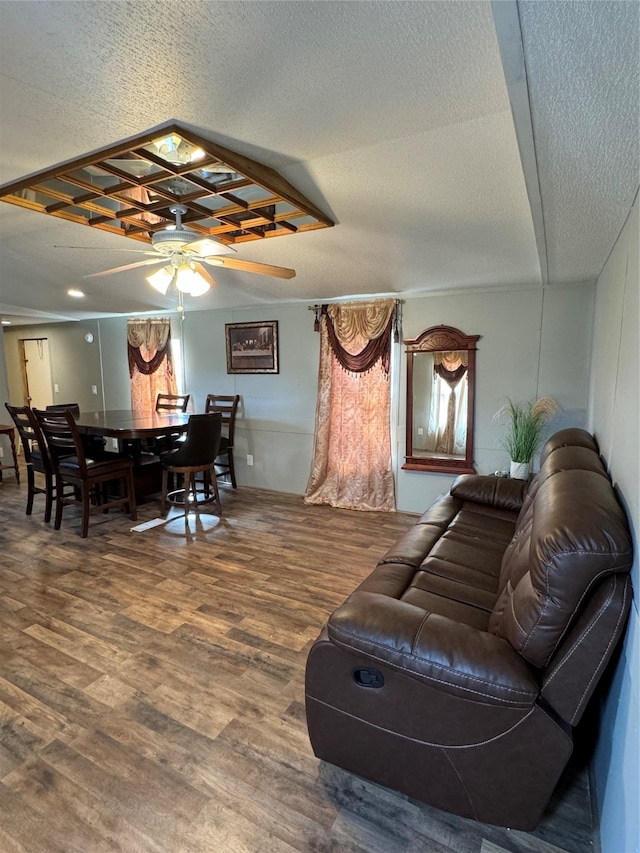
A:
(533, 342)
(613, 417)
(275, 422)
(75, 364)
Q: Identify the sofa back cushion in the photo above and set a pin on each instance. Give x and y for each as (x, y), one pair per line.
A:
(571, 533)
(571, 437)
(566, 450)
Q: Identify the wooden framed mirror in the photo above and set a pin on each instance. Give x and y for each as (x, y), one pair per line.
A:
(441, 373)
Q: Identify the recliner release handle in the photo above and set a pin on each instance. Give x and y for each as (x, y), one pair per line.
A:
(368, 677)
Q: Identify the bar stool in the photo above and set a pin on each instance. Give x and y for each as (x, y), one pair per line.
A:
(195, 455)
(10, 431)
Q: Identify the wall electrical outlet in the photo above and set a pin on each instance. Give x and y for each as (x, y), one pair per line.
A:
(114, 444)
(249, 459)
(56, 388)
(420, 431)
(94, 389)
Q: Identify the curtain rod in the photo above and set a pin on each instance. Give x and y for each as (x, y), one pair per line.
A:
(317, 307)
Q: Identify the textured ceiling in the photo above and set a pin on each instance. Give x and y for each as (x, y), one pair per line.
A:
(394, 118)
(583, 65)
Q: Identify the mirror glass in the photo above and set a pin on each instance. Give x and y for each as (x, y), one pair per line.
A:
(440, 400)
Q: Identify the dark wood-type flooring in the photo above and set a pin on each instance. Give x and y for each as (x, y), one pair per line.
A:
(151, 689)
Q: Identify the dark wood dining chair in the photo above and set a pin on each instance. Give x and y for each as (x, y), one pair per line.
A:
(36, 456)
(227, 406)
(167, 403)
(88, 479)
(74, 408)
(6, 429)
(196, 455)
(172, 402)
(92, 444)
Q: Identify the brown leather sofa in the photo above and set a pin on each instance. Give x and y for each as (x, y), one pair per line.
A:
(457, 669)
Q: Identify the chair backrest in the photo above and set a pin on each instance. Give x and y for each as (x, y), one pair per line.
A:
(202, 442)
(172, 402)
(227, 406)
(74, 408)
(30, 433)
(63, 438)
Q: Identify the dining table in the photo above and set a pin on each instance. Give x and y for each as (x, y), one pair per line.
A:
(131, 430)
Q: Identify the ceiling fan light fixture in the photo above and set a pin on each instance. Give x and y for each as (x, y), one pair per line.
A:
(191, 282)
(161, 279)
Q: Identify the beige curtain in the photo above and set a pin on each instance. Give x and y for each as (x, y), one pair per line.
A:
(351, 465)
(446, 432)
(150, 363)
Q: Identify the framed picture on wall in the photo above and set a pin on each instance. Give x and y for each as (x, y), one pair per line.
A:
(252, 347)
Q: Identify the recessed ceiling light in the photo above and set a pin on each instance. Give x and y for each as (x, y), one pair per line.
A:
(77, 294)
(6, 322)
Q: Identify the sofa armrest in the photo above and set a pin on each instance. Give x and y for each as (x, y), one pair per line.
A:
(449, 655)
(499, 492)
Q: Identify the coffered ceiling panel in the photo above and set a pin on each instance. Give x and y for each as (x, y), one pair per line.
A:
(394, 120)
(131, 188)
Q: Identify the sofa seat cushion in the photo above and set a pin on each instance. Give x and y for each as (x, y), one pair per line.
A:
(447, 598)
(459, 577)
(413, 546)
(449, 562)
(431, 593)
(454, 658)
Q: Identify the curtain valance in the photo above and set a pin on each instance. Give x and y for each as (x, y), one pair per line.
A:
(451, 360)
(451, 366)
(349, 322)
(450, 376)
(155, 336)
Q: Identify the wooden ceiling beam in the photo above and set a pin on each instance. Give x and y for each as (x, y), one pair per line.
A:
(251, 217)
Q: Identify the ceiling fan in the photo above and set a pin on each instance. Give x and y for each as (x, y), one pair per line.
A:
(184, 256)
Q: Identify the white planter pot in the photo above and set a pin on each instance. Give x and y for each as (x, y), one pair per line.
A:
(520, 470)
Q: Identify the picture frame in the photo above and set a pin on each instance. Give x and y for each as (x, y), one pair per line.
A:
(252, 347)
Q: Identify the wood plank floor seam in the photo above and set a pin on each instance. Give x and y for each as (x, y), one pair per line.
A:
(152, 689)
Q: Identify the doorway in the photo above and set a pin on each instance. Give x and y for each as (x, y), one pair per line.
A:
(35, 368)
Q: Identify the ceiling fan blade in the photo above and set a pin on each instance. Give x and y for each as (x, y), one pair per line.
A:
(207, 247)
(104, 249)
(126, 267)
(250, 266)
(205, 275)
